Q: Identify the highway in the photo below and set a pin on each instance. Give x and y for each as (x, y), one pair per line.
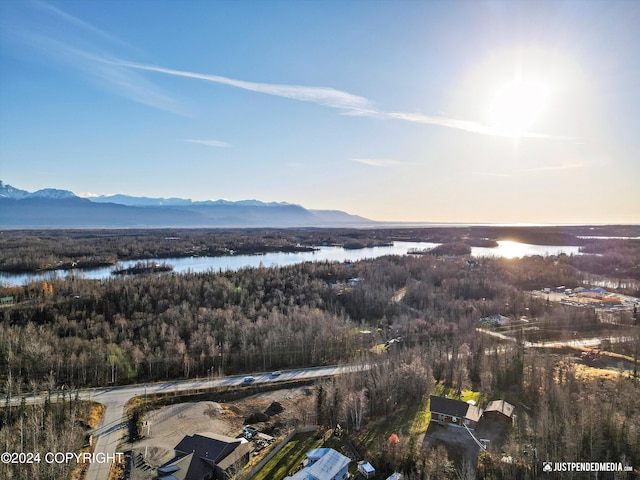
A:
(109, 433)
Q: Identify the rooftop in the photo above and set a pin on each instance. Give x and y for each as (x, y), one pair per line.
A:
(500, 406)
(327, 463)
(196, 455)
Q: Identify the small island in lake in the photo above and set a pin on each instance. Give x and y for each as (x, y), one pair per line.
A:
(453, 248)
(143, 267)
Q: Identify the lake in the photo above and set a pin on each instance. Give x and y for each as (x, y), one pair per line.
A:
(506, 249)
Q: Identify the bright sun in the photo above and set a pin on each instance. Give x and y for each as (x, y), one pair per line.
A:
(517, 106)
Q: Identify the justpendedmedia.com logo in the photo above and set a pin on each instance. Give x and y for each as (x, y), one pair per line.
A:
(585, 467)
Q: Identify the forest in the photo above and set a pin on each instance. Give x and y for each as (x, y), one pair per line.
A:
(163, 326)
(58, 425)
(71, 333)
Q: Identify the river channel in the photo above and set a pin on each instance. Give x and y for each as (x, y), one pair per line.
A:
(507, 249)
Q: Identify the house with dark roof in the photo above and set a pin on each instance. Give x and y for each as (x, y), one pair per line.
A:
(206, 456)
(323, 464)
(499, 410)
(447, 411)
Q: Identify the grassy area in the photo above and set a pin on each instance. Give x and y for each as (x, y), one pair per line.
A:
(587, 373)
(421, 421)
(408, 422)
(91, 413)
(399, 422)
(287, 460)
(467, 395)
(290, 456)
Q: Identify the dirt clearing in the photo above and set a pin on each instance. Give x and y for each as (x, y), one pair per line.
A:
(166, 426)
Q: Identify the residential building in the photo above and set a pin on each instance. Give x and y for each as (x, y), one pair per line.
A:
(323, 464)
(499, 410)
(206, 456)
(447, 411)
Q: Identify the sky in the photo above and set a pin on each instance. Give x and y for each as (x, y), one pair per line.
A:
(403, 111)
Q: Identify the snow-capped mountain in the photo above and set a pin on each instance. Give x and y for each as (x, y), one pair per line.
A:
(7, 191)
(51, 207)
(53, 193)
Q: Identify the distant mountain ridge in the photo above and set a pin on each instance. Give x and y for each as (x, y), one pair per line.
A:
(53, 208)
(163, 202)
(7, 191)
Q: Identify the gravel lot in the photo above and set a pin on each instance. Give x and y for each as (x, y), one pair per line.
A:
(459, 443)
(168, 425)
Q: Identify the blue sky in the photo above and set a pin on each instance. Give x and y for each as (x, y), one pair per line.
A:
(394, 110)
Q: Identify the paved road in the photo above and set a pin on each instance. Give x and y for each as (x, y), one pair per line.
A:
(114, 423)
(583, 343)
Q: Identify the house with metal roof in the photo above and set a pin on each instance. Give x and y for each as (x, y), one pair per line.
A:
(447, 411)
(323, 464)
(499, 410)
(205, 456)
(366, 469)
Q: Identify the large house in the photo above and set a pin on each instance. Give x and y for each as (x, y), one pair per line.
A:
(323, 464)
(206, 456)
(447, 411)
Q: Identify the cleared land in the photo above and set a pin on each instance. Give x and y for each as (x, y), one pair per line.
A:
(166, 426)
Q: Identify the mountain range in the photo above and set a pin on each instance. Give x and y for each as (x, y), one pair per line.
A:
(53, 208)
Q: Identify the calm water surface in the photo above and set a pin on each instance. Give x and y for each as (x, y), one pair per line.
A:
(505, 249)
(509, 249)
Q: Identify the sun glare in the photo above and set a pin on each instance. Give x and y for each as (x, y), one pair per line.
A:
(517, 106)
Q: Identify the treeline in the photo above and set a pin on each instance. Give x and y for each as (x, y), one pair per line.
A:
(137, 329)
(28, 433)
(123, 330)
(173, 326)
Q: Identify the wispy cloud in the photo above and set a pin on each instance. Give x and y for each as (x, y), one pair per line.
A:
(327, 96)
(376, 162)
(56, 36)
(209, 143)
(76, 21)
(467, 125)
